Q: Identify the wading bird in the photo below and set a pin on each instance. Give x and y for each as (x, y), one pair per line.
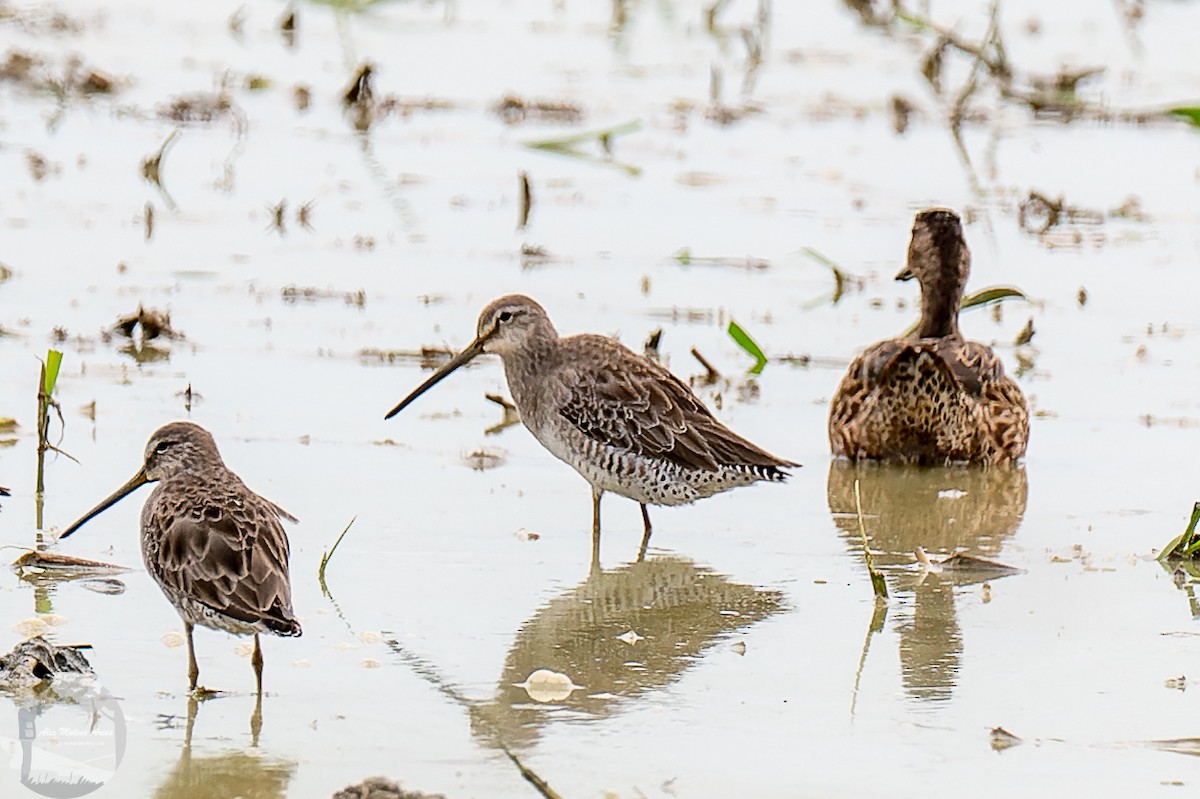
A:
(622, 421)
(216, 549)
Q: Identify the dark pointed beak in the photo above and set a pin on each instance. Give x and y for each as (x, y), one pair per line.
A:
(135, 482)
(473, 349)
(905, 274)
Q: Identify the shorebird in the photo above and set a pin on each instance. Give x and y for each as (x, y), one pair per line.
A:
(933, 396)
(626, 424)
(216, 549)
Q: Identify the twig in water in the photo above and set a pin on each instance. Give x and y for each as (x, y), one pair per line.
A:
(526, 201)
(47, 381)
(428, 671)
(711, 374)
(511, 415)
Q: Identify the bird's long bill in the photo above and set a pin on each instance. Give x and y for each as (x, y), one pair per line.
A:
(473, 349)
(135, 482)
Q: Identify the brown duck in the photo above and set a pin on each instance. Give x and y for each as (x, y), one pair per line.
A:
(932, 396)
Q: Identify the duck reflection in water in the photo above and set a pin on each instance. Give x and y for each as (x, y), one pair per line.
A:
(226, 772)
(940, 509)
(618, 635)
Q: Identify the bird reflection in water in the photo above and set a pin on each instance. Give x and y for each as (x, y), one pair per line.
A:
(940, 509)
(617, 636)
(246, 773)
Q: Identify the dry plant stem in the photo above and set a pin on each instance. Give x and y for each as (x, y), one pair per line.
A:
(429, 672)
(711, 374)
(45, 403)
(526, 201)
(43, 425)
(501, 401)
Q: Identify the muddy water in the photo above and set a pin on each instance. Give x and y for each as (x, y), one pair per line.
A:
(758, 663)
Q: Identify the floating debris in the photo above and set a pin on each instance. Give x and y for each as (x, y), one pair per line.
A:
(545, 686)
(1176, 683)
(358, 100)
(513, 110)
(304, 216)
(427, 357)
(962, 562)
(685, 258)
(53, 565)
(293, 294)
(535, 255)
(103, 585)
(200, 108)
(35, 660)
(72, 80)
(1038, 213)
(381, 788)
(485, 458)
(287, 27)
(1002, 739)
(278, 223)
(149, 324)
(1180, 746)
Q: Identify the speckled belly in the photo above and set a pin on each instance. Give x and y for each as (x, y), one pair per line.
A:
(648, 480)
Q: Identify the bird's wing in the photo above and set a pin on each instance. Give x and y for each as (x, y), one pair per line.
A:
(622, 399)
(231, 555)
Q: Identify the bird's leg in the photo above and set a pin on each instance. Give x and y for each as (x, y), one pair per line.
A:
(596, 494)
(193, 669)
(256, 660)
(256, 717)
(646, 530)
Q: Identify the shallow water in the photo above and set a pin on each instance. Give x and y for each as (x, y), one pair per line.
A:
(760, 664)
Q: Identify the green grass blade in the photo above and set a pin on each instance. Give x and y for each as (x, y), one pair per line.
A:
(745, 342)
(570, 142)
(839, 274)
(1183, 544)
(328, 556)
(53, 362)
(1190, 113)
(992, 294)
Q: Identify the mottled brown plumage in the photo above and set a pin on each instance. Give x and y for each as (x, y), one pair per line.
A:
(217, 549)
(932, 397)
(622, 421)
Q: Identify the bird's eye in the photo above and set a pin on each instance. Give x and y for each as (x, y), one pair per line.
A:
(163, 446)
(505, 316)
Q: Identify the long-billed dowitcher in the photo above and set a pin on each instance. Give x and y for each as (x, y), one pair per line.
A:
(622, 421)
(215, 548)
(933, 396)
